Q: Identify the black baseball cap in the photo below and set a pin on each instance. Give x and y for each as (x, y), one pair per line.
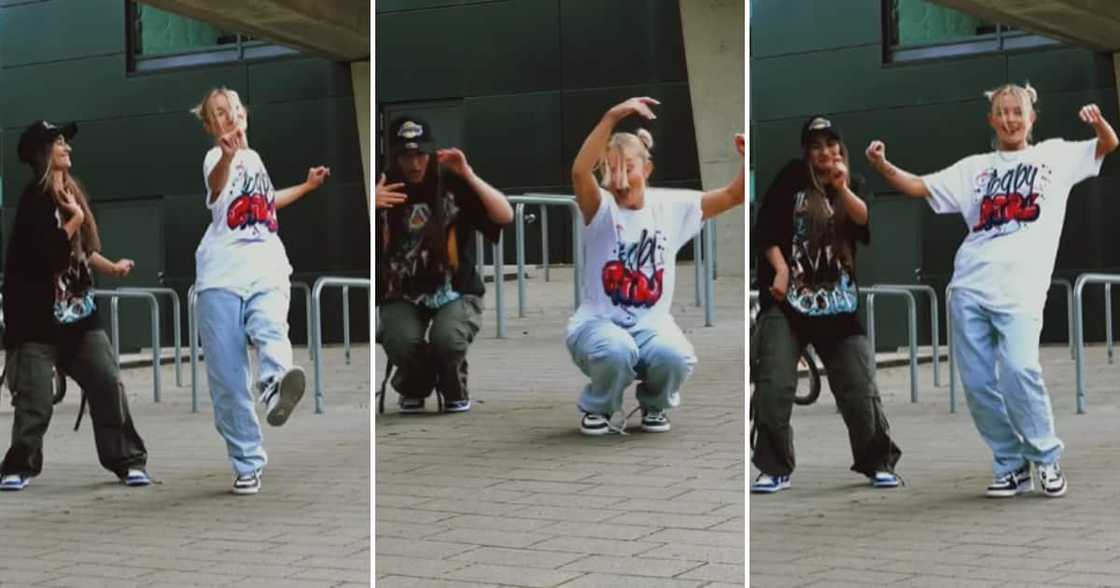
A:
(818, 124)
(408, 133)
(35, 142)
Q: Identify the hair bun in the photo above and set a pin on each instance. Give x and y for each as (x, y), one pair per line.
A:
(645, 138)
(1031, 92)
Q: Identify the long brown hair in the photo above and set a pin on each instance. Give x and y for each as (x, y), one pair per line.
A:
(85, 240)
(826, 218)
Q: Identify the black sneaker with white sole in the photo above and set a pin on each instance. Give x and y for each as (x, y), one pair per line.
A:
(411, 405)
(282, 396)
(594, 424)
(1012, 484)
(247, 483)
(655, 421)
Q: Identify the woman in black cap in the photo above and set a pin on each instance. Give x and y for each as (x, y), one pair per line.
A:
(806, 234)
(429, 205)
(52, 318)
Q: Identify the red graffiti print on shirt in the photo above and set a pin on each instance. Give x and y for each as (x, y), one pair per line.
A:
(1009, 197)
(626, 281)
(253, 206)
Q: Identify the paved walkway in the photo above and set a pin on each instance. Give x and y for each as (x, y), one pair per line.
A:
(511, 494)
(76, 526)
(831, 529)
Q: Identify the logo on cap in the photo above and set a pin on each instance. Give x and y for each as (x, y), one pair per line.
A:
(410, 130)
(819, 123)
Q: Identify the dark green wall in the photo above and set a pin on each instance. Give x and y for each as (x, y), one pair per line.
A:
(821, 56)
(533, 78)
(139, 151)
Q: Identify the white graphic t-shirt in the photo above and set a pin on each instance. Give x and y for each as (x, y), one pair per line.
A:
(630, 257)
(241, 250)
(1014, 203)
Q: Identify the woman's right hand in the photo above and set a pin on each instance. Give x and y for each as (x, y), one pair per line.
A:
(781, 282)
(69, 204)
(231, 142)
(386, 195)
(876, 153)
(639, 105)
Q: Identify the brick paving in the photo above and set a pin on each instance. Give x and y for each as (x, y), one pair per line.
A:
(512, 495)
(831, 529)
(309, 527)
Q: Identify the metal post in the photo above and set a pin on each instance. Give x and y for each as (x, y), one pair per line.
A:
(1079, 328)
(519, 236)
(697, 263)
(544, 240)
(912, 325)
(499, 279)
(871, 323)
(949, 344)
(1065, 284)
(176, 325)
(153, 306)
(346, 321)
(1108, 320)
(307, 305)
(317, 339)
(479, 253)
(192, 321)
(709, 273)
(577, 255)
(115, 329)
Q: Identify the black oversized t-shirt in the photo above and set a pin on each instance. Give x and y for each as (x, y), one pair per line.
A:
(822, 296)
(400, 255)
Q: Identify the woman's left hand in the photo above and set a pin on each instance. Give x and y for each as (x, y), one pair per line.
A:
(122, 267)
(455, 160)
(317, 175)
(1090, 114)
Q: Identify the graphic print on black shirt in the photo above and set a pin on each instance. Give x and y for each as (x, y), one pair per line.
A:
(73, 291)
(1009, 200)
(253, 207)
(408, 258)
(635, 277)
(819, 283)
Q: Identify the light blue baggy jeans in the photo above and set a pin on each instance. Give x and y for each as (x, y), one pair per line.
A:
(613, 357)
(998, 357)
(227, 323)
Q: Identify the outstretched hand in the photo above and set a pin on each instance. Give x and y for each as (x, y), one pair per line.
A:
(387, 196)
(455, 160)
(122, 267)
(741, 143)
(317, 175)
(640, 106)
(1090, 114)
(876, 152)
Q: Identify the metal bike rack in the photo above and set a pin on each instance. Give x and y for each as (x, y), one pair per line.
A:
(114, 297)
(176, 325)
(519, 227)
(707, 231)
(1065, 284)
(316, 311)
(912, 326)
(934, 324)
(303, 287)
(949, 345)
(1079, 327)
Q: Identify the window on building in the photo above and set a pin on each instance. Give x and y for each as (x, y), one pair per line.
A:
(917, 30)
(163, 40)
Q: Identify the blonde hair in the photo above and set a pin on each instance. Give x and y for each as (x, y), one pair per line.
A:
(203, 112)
(1025, 94)
(85, 240)
(640, 142)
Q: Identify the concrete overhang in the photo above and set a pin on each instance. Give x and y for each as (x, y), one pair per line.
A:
(1088, 23)
(338, 29)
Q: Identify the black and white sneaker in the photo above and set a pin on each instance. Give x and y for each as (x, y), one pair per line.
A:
(594, 424)
(281, 396)
(1051, 479)
(14, 482)
(463, 405)
(1015, 483)
(247, 483)
(655, 421)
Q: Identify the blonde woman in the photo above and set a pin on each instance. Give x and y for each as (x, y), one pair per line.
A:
(52, 318)
(810, 223)
(242, 273)
(1013, 201)
(623, 329)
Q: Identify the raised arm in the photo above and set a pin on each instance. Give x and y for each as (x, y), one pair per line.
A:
(583, 168)
(315, 178)
(494, 202)
(723, 199)
(1107, 142)
(229, 144)
(900, 179)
